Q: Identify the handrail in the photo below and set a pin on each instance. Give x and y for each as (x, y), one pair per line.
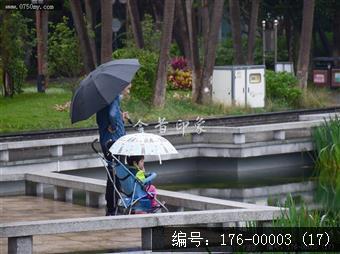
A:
(170, 132)
(17, 229)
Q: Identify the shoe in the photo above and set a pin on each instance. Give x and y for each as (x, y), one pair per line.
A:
(110, 213)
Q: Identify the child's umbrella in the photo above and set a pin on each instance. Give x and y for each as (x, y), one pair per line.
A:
(143, 144)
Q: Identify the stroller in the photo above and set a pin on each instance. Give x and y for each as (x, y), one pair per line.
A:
(133, 195)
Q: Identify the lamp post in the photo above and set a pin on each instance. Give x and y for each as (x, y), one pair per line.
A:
(276, 22)
(264, 42)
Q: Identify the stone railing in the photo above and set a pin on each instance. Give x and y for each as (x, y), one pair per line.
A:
(64, 186)
(232, 142)
(47, 148)
(211, 211)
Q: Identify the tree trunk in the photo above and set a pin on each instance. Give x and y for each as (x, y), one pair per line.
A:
(336, 32)
(85, 48)
(90, 29)
(235, 21)
(323, 39)
(8, 84)
(42, 34)
(181, 30)
(205, 23)
(106, 36)
(194, 50)
(305, 42)
(157, 7)
(252, 30)
(135, 23)
(209, 59)
(289, 37)
(168, 20)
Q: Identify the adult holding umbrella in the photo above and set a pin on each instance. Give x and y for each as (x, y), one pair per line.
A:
(100, 92)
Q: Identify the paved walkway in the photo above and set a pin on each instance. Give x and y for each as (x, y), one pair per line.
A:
(26, 208)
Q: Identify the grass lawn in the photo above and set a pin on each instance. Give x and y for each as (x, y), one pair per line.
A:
(35, 111)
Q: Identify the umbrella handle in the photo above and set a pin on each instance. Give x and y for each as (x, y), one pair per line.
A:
(130, 122)
(93, 147)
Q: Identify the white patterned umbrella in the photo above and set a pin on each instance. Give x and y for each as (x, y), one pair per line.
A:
(142, 144)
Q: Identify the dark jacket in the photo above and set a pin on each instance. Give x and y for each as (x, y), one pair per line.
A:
(110, 116)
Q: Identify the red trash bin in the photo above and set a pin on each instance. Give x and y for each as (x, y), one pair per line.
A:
(320, 78)
(335, 78)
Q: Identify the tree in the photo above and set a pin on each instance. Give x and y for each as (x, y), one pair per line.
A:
(336, 32)
(194, 50)
(252, 30)
(202, 73)
(15, 40)
(168, 20)
(85, 48)
(89, 8)
(42, 34)
(205, 17)
(135, 23)
(106, 41)
(209, 58)
(181, 30)
(305, 42)
(235, 21)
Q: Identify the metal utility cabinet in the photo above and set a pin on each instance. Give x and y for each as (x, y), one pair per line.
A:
(239, 85)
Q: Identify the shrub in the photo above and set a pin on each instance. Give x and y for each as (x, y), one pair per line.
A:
(151, 35)
(15, 40)
(282, 87)
(303, 217)
(224, 52)
(144, 81)
(178, 79)
(179, 75)
(174, 50)
(179, 63)
(63, 51)
(327, 148)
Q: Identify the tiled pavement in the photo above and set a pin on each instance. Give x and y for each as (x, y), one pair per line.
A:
(26, 208)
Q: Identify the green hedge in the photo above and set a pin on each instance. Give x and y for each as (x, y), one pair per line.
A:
(64, 57)
(282, 86)
(144, 81)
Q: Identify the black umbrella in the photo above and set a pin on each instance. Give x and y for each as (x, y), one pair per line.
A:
(101, 87)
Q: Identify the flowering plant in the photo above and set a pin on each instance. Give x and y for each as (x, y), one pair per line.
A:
(179, 63)
(179, 74)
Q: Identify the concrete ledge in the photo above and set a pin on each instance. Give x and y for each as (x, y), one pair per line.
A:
(257, 191)
(170, 197)
(181, 199)
(46, 142)
(57, 143)
(263, 127)
(313, 117)
(20, 234)
(17, 229)
(20, 245)
(185, 151)
(12, 177)
(68, 181)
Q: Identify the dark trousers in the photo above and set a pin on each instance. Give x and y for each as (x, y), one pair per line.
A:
(111, 195)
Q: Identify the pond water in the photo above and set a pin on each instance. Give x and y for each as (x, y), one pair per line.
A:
(274, 192)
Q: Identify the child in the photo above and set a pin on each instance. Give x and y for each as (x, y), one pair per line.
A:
(136, 164)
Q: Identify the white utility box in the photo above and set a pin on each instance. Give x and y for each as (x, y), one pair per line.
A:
(239, 85)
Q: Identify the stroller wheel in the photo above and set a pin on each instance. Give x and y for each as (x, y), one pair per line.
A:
(120, 210)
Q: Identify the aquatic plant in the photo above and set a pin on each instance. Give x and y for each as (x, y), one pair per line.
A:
(326, 140)
(301, 216)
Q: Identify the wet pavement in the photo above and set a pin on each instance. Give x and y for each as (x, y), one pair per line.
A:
(26, 208)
